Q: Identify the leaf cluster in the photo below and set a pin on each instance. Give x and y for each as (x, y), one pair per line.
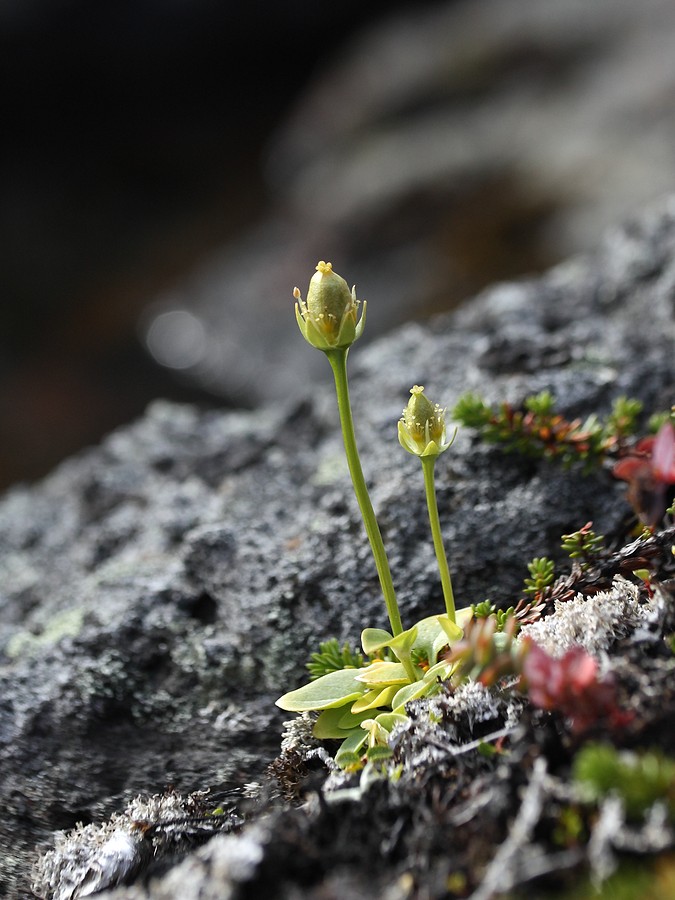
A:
(486, 609)
(542, 572)
(538, 430)
(583, 544)
(360, 706)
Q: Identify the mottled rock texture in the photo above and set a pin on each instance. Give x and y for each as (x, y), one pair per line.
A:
(159, 591)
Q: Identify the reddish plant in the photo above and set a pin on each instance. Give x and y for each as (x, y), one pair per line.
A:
(649, 469)
(570, 684)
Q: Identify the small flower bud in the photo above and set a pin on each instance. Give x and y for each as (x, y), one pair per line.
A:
(328, 319)
(421, 429)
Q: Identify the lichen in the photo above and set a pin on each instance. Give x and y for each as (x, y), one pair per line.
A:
(593, 622)
(93, 857)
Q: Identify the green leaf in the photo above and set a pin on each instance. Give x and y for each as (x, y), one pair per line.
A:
(382, 673)
(403, 643)
(349, 719)
(442, 670)
(464, 616)
(333, 689)
(348, 754)
(374, 639)
(330, 657)
(501, 641)
(407, 693)
(388, 720)
(337, 722)
(378, 753)
(452, 630)
(375, 698)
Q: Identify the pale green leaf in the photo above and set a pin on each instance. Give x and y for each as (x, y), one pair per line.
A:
(375, 698)
(347, 755)
(452, 630)
(407, 693)
(374, 639)
(382, 673)
(403, 643)
(464, 616)
(333, 689)
(388, 720)
(337, 722)
(428, 632)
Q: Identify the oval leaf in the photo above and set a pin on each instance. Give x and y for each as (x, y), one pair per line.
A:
(337, 722)
(382, 673)
(347, 754)
(389, 719)
(374, 639)
(333, 689)
(375, 698)
(408, 693)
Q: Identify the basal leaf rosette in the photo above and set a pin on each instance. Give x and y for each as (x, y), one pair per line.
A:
(351, 702)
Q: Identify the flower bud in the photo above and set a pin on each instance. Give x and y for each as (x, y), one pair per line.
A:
(328, 319)
(421, 429)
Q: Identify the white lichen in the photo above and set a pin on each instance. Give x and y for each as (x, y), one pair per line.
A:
(92, 857)
(593, 622)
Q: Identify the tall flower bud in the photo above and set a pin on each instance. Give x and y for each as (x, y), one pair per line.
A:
(328, 318)
(421, 429)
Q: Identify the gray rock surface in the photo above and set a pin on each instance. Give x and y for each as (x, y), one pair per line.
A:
(159, 591)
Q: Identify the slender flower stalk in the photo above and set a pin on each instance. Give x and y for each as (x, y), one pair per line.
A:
(422, 432)
(328, 321)
(338, 362)
(428, 464)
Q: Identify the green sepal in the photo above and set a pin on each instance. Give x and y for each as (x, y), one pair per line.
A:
(361, 324)
(331, 690)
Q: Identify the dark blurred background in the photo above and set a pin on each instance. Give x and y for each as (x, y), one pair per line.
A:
(132, 140)
(169, 169)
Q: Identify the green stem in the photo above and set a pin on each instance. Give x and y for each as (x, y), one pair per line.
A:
(413, 673)
(428, 463)
(338, 362)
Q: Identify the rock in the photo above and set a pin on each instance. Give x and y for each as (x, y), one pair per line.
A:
(443, 150)
(161, 590)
